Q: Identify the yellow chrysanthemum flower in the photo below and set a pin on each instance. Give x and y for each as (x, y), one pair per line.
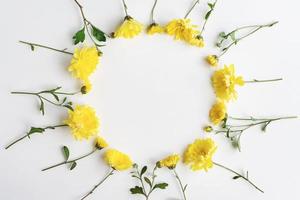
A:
(84, 63)
(83, 122)
(129, 28)
(170, 161)
(155, 29)
(197, 41)
(224, 82)
(101, 143)
(199, 154)
(213, 60)
(218, 112)
(182, 29)
(117, 160)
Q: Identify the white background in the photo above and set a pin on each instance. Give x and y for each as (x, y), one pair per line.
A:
(153, 95)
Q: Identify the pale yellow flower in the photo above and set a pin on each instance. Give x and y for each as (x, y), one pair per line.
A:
(117, 160)
(84, 63)
(197, 41)
(224, 82)
(212, 60)
(129, 28)
(101, 143)
(83, 122)
(199, 154)
(170, 161)
(218, 112)
(182, 29)
(155, 29)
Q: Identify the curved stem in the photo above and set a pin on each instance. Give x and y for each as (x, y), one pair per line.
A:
(28, 134)
(102, 181)
(205, 22)
(181, 185)
(152, 12)
(261, 81)
(239, 176)
(257, 27)
(70, 161)
(45, 47)
(125, 8)
(191, 9)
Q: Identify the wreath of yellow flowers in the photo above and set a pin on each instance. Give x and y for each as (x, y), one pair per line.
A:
(84, 123)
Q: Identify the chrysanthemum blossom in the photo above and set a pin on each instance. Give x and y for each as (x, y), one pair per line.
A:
(170, 161)
(198, 155)
(101, 143)
(155, 29)
(83, 122)
(129, 28)
(212, 60)
(224, 82)
(117, 160)
(218, 112)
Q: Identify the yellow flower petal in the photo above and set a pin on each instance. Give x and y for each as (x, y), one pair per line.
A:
(129, 28)
(117, 160)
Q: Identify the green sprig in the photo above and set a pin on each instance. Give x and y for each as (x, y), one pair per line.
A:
(207, 15)
(150, 180)
(58, 98)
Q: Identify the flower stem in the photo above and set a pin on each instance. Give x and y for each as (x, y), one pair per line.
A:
(70, 161)
(152, 12)
(102, 181)
(191, 9)
(239, 176)
(45, 47)
(183, 188)
(261, 81)
(256, 28)
(28, 134)
(125, 8)
(206, 19)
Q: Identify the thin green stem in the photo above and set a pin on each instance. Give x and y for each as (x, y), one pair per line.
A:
(260, 119)
(70, 161)
(180, 184)
(28, 134)
(125, 8)
(102, 181)
(262, 81)
(191, 9)
(239, 176)
(206, 20)
(256, 28)
(152, 12)
(45, 47)
(152, 182)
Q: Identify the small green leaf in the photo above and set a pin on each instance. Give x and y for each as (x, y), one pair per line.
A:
(98, 34)
(73, 165)
(184, 189)
(264, 126)
(55, 96)
(210, 5)
(136, 190)
(236, 177)
(232, 36)
(161, 186)
(64, 100)
(66, 152)
(207, 15)
(148, 181)
(35, 130)
(69, 107)
(144, 169)
(32, 47)
(79, 36)
(222, 35)
(42, 107)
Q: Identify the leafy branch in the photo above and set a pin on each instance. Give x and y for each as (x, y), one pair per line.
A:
(234, 132)
(56, 100)
(73, 163)
(150, 180)
(34, 130)
(231, 36)
(238, 175)
(33, 45)
(183, 188)
(95, 34)
(207, 15)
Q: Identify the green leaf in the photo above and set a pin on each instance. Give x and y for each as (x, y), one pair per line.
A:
(66, 152)
(69, 107)
(144, 169)
(184, 189)
(73, 165)
(264, 126)
(236, 177)
(55, 96)
(210, 5)
(161, 186)
(42, 107)
(64, 100)
(148, 181)
(31, 47)
(222, 35)
(136, 190)
(207, 15)
(232, 36)
(79, 36)
(98, 34)
(35, 130)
